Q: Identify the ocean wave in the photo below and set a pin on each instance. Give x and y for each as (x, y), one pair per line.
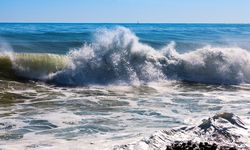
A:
(31, 66)
(118, 56)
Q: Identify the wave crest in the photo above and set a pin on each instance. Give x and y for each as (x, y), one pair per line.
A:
(117, 55)
(212, 65)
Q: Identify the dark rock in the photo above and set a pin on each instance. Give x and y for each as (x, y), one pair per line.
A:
(195, 146)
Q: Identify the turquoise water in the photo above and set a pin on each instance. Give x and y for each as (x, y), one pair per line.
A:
(93, 86)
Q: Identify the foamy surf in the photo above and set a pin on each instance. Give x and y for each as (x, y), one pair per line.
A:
(99, 117)
(117, 56)
(224, 130)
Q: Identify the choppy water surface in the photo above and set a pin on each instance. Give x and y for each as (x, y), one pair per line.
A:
(94, 86)
(35, 115)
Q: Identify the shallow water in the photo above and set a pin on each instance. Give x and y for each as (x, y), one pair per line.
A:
(104, 116)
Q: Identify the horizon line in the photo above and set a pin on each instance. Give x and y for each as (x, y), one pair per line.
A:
(125, 22)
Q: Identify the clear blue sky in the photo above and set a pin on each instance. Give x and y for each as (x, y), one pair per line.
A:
(169, 11)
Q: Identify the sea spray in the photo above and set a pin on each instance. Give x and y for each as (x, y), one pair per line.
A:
(117, 56)
(214, 65)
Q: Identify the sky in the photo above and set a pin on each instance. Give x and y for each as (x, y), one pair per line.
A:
(126, 11)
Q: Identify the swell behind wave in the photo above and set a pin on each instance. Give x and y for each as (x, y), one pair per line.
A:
(117, 55)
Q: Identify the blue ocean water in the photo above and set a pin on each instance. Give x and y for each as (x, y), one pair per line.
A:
(94, 86)
(59, 38)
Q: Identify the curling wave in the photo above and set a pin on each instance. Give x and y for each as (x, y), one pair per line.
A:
(31, 66)
(117, 55)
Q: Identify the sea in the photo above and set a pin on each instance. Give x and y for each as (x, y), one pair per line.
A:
(78, 86)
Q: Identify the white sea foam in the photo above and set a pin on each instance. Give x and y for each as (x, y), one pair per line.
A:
(117, 56)
(224, 129)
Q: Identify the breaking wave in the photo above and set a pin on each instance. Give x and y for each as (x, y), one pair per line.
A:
(118, 56)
